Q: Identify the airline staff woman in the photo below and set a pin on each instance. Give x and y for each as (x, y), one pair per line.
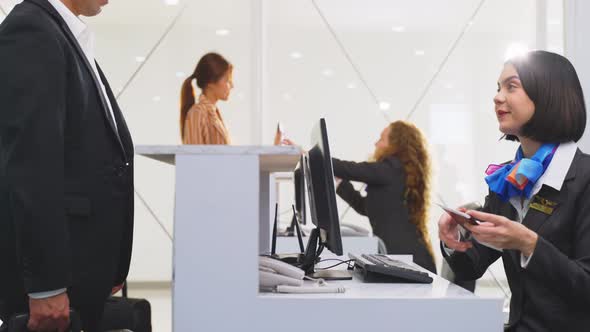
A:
(537, 211)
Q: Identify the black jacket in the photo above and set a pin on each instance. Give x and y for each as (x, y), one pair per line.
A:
(553, 292)
(66, 176)
(384, 205)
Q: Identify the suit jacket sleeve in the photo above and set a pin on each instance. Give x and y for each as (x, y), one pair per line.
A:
(352, 197)
(32, 121)
(473, 263)
(380, 172)
(570, 274)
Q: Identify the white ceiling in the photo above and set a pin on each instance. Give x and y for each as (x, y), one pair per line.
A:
(396, 66)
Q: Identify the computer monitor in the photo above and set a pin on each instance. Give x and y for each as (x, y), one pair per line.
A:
(319, 177)
(321, 189)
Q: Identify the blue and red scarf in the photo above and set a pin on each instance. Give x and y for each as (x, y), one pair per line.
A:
(519, 177)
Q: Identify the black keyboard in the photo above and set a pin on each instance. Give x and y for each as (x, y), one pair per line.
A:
(380, 268)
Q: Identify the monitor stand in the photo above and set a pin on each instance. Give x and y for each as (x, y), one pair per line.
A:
(312, 256)
(332, 274)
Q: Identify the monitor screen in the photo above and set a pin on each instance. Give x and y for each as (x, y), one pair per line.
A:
(322, 193)
(299, 182)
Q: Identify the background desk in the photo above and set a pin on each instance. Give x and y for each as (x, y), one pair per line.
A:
(221, 224)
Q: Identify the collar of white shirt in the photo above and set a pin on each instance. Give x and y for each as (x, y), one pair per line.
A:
(74, 23)
(557, 170)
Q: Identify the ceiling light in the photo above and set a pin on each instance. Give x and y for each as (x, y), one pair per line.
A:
(384, 106)
(351, 86)
(222, 32)
(327, 72)
(140, 59)
(180, 74)
(448, 85)
(171, 2)
(470, 23)
(287, 96)
(295, 55)
(419, 52)
(515, 50)
(241, 95)
(554, 22)
(157, 98)
(399, 28)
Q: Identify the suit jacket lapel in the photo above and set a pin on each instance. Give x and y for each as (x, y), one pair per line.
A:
(535, 219)
(74, 42)
(123, 131)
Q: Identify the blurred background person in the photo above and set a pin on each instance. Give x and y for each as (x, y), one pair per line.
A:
(201, 122)
(398, 191)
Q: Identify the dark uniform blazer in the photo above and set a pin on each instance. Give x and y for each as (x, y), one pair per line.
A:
(66, 175)
(384, 205)
(553, 292)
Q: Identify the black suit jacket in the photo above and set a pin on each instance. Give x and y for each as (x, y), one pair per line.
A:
(553, 292)
(66, 175)
(384, 205)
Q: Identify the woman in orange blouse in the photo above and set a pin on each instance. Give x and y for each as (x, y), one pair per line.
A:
(201, 123)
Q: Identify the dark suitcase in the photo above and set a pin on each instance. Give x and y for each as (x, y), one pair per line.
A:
(122, 313)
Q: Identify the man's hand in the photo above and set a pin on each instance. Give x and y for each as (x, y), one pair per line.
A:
(50, 314)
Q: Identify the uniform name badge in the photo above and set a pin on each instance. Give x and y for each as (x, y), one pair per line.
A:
(543, 205)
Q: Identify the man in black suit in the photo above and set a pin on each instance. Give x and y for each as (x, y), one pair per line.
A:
(66, 169)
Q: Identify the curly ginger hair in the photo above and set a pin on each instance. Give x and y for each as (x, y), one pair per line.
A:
(408, 144)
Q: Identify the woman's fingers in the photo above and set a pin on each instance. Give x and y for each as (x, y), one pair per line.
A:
(449, 234)
(487, 217)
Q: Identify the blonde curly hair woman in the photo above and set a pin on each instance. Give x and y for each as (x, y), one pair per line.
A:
(398, 190)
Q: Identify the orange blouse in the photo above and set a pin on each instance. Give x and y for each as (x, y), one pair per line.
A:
(204, 124)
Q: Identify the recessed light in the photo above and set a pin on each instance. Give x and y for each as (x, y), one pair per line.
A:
(180, 74)
(241, 95)
(171, 2)
(419, 52)
(399, 28)
(287, 96)
(140, 59)
(157, 98)
(470, 23)
(351, 86)
(384, 106)
(327, 72)
(296, 55)
(554, 22)
(222, 32)
(448, 85)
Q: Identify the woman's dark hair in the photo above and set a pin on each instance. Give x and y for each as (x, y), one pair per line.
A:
(210, 69)
(551, 82)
